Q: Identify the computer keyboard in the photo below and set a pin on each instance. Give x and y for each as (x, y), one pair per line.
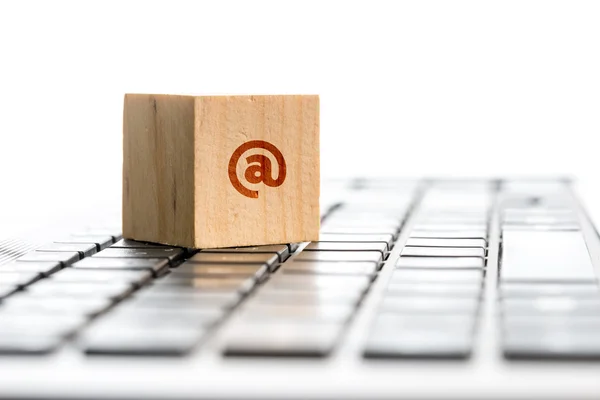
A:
(428, 240)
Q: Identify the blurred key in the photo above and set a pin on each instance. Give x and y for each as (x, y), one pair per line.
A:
(437, 227)
(282, 339)
(19, 279)
(28, 344)
(551, 257)
(438, 276)
(367, 238)
(551, 305)
(84, 249)
(466, 234)
(427, 304)
(273, 295)
(456, 323)
(172, 282)
(45, 268)
(472, 289)
(157, 341)
(231, 258)
(346, 256)
(100, 241)
(552, 345)
(414, 343)
(23, 303)
(529, 290)
(113, 290)
(433, 242)
(443, 252)
(44, 324)
(347, 246)
(130, 316)
(330, 268)
(64, 257)
(138, 278)
(185, 299)
(359, 231)
(281, 250)
(172, 254)
(319, 282)
(259, 311)
(258, 271)
(440, 262)
(157, 266)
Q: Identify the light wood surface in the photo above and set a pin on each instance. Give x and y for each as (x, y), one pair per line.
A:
(221, 171)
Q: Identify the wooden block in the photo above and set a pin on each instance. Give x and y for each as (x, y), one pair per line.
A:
(221, 171)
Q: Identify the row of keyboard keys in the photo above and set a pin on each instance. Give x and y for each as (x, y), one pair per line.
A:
(304, 308)
(432, 301)
(549, 300)
(172, 316)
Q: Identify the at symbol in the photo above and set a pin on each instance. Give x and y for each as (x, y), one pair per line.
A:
(259, 167)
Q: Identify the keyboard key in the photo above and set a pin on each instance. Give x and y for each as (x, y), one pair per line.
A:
(20, 323)
(553, 345)
(134, 244)
(137, 278)
(257, 271)
(433, 242)
(346, 256)
(330, 268)
(28, 344)
(156, 341)
(551, 305)
(257, 311)
(182, 300)
(282, 339)
(19, 279)
(529, 290)
(440, 262)
(360, 231)
(84, 249)
(272, 295)
(469, 290)
(132, 316)
(64, 257)
(320, 282)
(367, 238)
(172, 254)
(45, 268)
(113, 290)
(114, 234)
(281, 250)
(552, 257)
(433, 305)
(101, 241)
(463, 324)
(158, 266)
(23, 303)
(172, 282)
(437, 276)
(449, 227)
(413, 343)
(232, 258)
(467, 234)
(443, 252)
(347, 246)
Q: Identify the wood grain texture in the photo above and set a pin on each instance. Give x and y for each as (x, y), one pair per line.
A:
(158, 169)
(185, 189)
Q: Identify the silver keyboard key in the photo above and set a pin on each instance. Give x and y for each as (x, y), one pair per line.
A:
(440, 262)
(329, 268)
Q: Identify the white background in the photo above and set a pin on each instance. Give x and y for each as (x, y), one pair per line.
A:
(407, 88)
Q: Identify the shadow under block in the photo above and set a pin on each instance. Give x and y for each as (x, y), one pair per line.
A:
(221, 171)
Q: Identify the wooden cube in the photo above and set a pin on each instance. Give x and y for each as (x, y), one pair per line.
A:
(221, 171)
